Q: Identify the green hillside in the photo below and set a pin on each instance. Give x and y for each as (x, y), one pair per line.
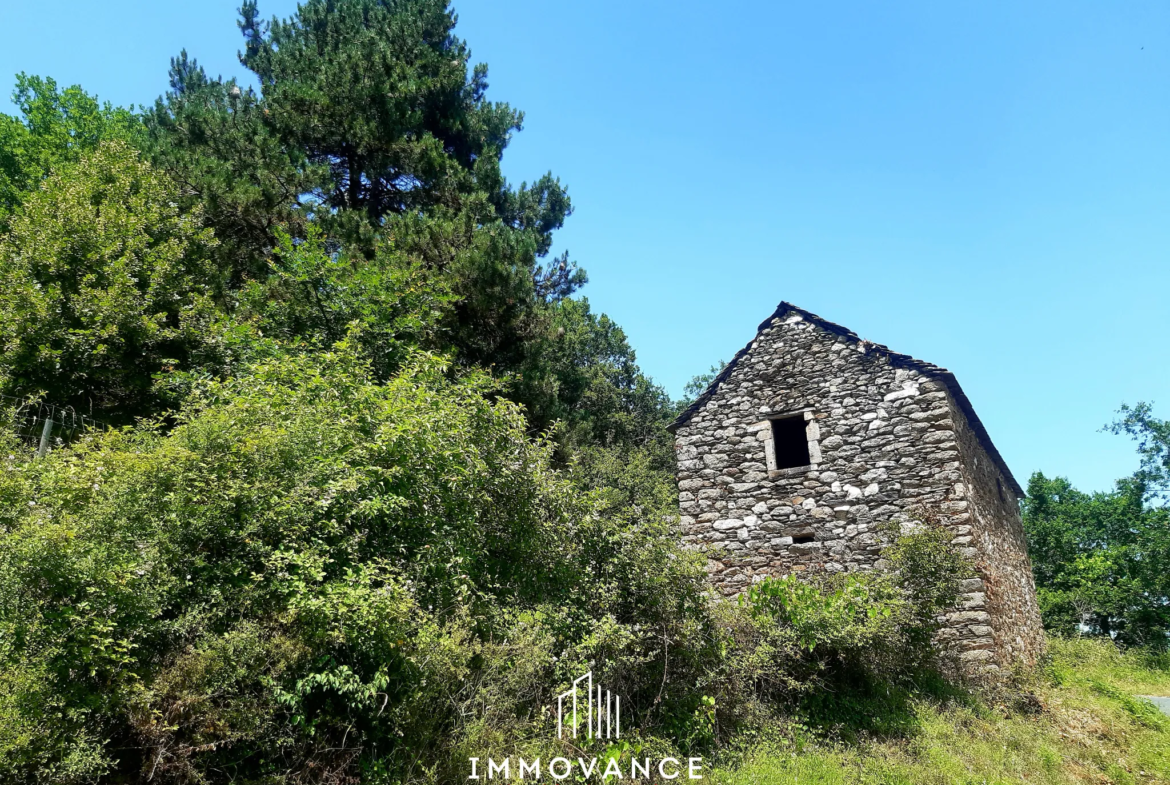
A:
(1079, 724)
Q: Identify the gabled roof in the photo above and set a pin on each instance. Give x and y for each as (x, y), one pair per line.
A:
(898, 360)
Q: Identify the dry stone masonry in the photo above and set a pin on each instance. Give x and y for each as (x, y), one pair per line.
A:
(811, 438)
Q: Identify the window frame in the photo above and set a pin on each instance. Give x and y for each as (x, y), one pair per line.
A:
(811, 435)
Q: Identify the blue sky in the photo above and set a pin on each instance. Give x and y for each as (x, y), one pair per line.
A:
(985, 186)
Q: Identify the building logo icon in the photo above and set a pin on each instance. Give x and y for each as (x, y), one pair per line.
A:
(603, 710)
(587, 710)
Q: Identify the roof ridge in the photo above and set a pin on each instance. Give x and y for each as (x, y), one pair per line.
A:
(905, 360)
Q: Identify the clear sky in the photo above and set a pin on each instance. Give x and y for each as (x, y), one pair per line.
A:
(985, 186)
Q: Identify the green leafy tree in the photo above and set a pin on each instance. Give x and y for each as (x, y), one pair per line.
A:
(104, 283)
(56, 127)
(1099, 560)
(700, 382)
(371, 126)
(316, 295)
(1153, 443)
(371, 134)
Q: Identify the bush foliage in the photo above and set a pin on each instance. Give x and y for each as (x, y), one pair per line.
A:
(316, 575)
(103, 284)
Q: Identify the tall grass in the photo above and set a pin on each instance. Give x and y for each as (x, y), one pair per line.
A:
(1084, 726)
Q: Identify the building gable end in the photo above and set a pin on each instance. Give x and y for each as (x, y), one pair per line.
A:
(787, 310)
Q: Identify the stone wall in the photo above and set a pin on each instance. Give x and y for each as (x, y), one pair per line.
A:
(884, 436)
(1011, 631)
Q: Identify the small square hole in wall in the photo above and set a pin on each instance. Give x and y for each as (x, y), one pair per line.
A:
(790, 442)
(801, 539)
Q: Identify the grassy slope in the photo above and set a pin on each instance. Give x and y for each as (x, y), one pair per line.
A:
(1089, 730)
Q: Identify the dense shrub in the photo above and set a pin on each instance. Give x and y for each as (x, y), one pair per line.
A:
(301, 576)
(831, 633)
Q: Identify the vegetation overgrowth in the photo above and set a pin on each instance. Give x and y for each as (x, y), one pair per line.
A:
(1075, 721)
(315, 573)
(378, 484)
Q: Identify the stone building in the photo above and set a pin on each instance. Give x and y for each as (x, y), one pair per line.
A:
(812, 437)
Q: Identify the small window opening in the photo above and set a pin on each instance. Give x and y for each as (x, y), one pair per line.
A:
(999, 489)
(800, 539)
(790, 442)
